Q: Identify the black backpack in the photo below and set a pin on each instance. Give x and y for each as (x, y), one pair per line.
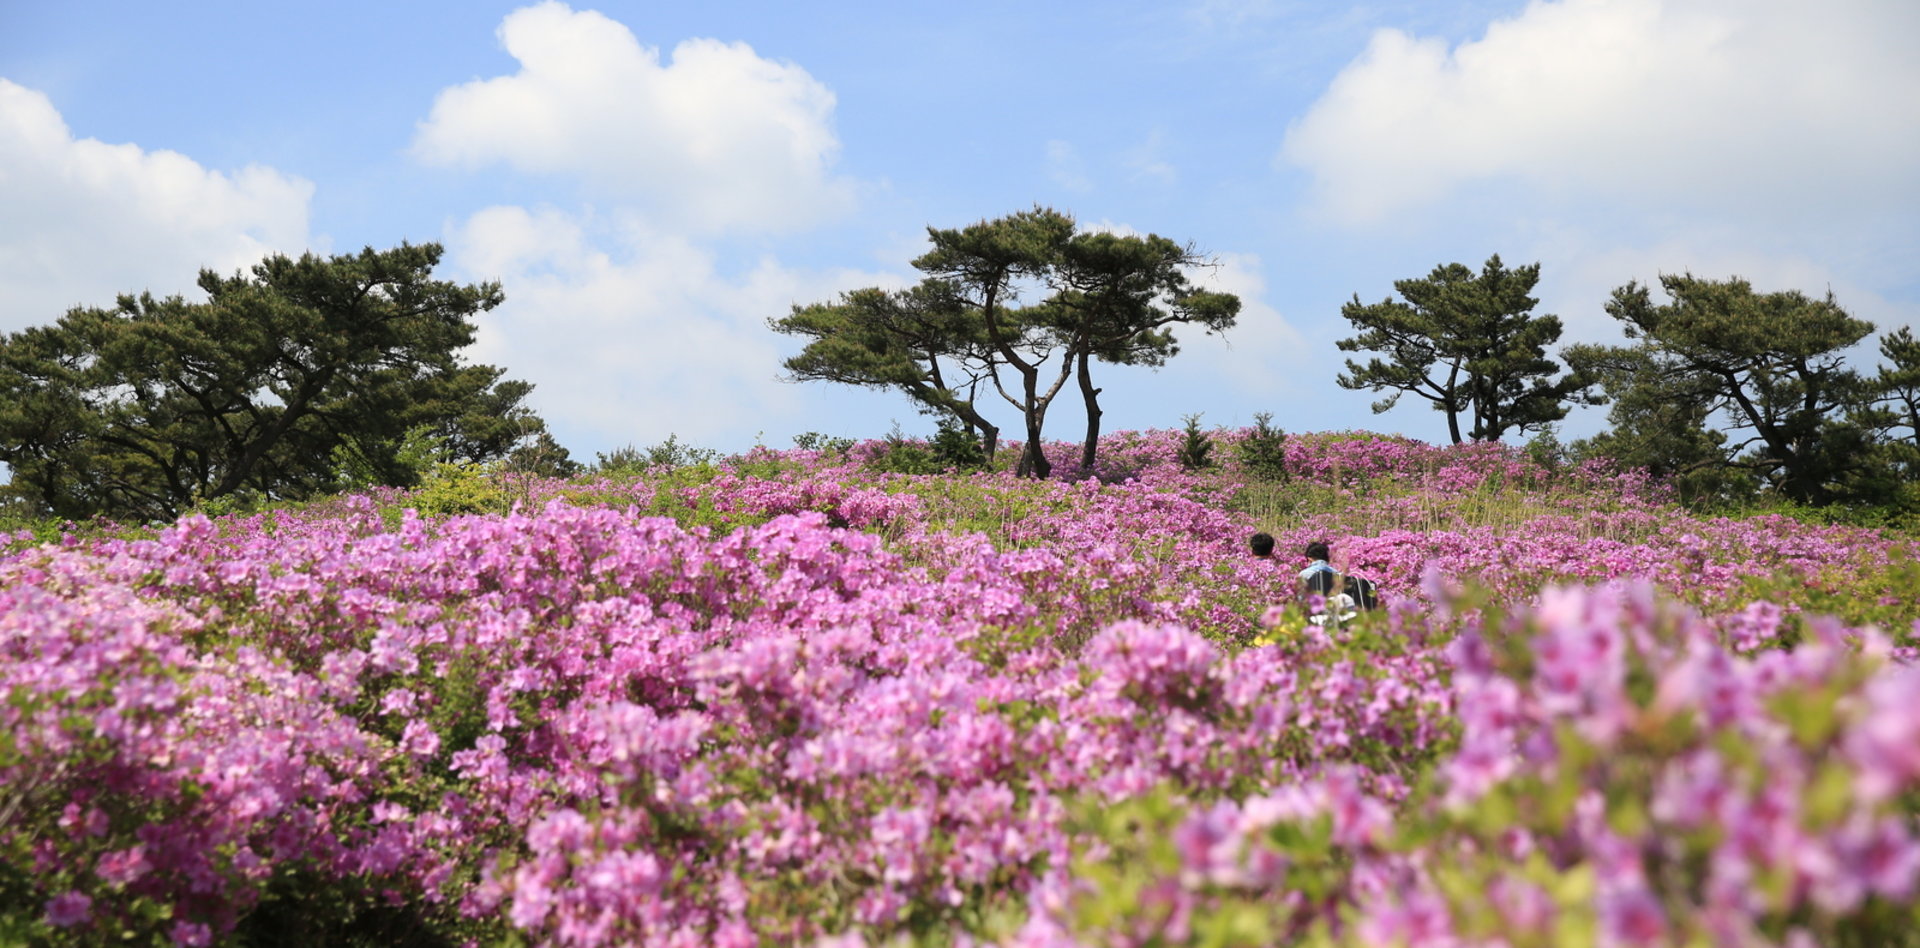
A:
(1361, 589)
(1320, 582)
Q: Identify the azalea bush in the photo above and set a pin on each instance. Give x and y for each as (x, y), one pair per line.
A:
(794, 697)
(1627, 772)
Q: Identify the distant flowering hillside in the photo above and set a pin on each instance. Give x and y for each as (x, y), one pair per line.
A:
(793, 698)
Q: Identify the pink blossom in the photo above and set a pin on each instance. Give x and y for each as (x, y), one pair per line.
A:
(69, 909)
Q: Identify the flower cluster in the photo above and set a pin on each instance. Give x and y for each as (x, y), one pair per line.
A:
(1622, 777)
(790, 699)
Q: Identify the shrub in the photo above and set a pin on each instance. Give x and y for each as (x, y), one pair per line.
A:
(459, 487)
(783, 699)
(815, 441)
(1546, 451)
(958, 449)
(1196, 447)
(542, 457)
(1263, 450)
(629, 460)
(899, 454)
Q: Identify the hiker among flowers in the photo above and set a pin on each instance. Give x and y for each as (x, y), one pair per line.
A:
(1262, 546)
(1330, 595)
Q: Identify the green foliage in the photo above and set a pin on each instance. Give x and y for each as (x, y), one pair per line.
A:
(1111, 298)
(995, 509)
(904, 456)
(302, 910)
(682, 493)
(956, 450)
(620, 462)
(406, 463)
(1351, 503)
(1859, 594)
(149, 408)
(1196, 446)
(1660, 425)
(459, 487)
(952, 448)
(1768, 364)
(1469, 344)
(542, 456)
(1545, 450)
(1137, 855)
(672, 452)
(815, 441)
(1892, 414)
(22, 530)
(238, 502)
(1900, 511)
(924, 341)
(1263, 452)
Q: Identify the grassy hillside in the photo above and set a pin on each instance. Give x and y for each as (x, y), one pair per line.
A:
(810, 696)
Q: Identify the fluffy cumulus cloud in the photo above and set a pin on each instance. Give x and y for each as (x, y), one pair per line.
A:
(1577, 290)
(630, 334)
(715, 138)
(82, 221)
(1263, 354)
(1774, 109)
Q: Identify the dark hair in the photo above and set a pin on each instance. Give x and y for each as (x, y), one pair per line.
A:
(1317, 550)
(1262, 544)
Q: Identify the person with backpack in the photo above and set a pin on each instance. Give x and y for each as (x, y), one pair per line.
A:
(1343, 596)
(1366, 598)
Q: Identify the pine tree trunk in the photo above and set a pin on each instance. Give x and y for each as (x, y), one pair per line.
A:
(1092, 398)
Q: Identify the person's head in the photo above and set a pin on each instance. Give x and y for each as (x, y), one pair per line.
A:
(1317, 550)
(1261, 544)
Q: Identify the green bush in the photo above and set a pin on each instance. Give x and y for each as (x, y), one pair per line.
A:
(459, 487)
(902, 456)
(542, 457)
(1263, 452)
(1882, 595)
(957, 448)
(1196, 448)
(815, 441)
(358, 467)
(952, 448)
(669, 453)
(1545, 450)
(243, 501)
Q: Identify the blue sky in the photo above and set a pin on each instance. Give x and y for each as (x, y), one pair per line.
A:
(652, 182)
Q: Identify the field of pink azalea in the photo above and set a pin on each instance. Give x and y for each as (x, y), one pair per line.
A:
(789, 698)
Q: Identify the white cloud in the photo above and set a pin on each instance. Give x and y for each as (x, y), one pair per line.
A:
(1258, 354)
(1263, 353)
(1262, 363)
(1066, 168)
(1146, 162)
(82, 221)
(1768, 109)
(1579, 290)
(630, 334)
(1106, 226)
(717, 139)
